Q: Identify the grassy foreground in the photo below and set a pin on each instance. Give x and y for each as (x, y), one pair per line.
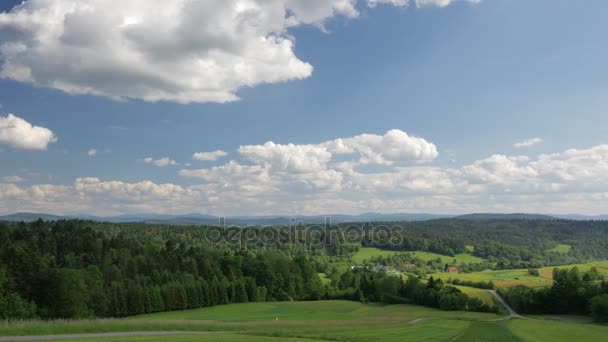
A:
(325, 320)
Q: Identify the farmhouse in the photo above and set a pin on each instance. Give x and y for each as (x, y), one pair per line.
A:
(379, 267)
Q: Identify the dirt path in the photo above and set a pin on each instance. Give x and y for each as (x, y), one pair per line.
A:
(416, 321)
(98, 335)
(512, 313)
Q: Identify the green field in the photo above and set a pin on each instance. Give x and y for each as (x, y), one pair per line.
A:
(366, 253)
(529, 330)
(319, 321)
(601, 266)
(309, 311)
(561, 249)
(510, 278)
(484, 295)
(197, 338)
(502, 278)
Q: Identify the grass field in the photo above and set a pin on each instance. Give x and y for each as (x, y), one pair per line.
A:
(510, 278)
(562, 249)
(197, 338)
(309, 311)
(542, 331)
(601, 266)
(484, 295)
(366, 253)
(502, 278)
(322, 321)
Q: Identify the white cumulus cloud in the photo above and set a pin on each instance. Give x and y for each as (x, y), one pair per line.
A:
(13, 179)
(209, 156)
(571, 181)
(161, 162)
(290, 157)
(394, 146)
(528, 142)
(92, 152)
(419, 3)
(180, 50)
(18, 133)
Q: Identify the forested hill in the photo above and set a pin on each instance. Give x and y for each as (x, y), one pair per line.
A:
(516, 216)
(77, 268)
(31, 217)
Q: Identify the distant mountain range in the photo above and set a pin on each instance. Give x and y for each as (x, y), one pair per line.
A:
(195, 219)
(230, 220)
(516, 216)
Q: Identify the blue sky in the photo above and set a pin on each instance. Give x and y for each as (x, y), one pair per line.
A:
(473, 79)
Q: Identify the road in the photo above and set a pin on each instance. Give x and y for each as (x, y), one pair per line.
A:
(102, 335)
(512, 313)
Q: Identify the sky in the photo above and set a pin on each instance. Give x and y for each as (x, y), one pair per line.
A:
(300, 107)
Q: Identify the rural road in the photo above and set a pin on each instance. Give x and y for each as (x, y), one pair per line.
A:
(98, 335)
(512, 313)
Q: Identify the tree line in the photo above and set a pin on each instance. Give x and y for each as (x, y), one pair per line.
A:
(573, 292)
(77, 269)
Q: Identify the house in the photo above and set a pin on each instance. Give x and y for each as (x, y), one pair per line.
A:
(409, 266)
(452, 269)
(379, 268)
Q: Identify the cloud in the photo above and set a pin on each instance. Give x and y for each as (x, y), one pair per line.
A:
(394, 146)
(162, 162)
(419, 3)
(8, 191)
(397, 3)
(290, 157)
(495, 183)
(528, 142)
(127, 191)
(209, 156)
(92, 152)
(181, 51)
(12, 179)
(20, 134)
(442, 3)
(572, 181)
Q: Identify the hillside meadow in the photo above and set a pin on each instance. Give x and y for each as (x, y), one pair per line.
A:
(510, 278)
(368, 253)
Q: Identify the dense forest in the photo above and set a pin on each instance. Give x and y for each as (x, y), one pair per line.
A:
(509, 243)
(74, 269)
